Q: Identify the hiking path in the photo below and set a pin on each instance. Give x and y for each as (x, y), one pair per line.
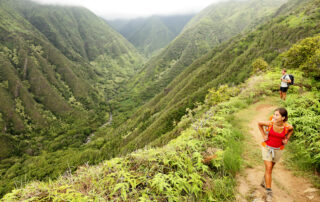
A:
(286, 186)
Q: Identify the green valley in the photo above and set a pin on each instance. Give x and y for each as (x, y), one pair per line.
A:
(59, 67)
(211, 27)
(229, 63)
(151, 34)
(85, 117)
(177, 171)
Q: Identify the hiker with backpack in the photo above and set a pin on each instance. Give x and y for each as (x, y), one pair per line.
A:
(276, 136)
(285, 82)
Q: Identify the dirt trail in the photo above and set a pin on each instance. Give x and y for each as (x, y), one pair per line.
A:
(285, 186)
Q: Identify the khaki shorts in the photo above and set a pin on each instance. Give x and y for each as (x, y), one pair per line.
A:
(267, 155)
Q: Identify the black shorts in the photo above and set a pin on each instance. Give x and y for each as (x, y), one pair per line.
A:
(284, 89)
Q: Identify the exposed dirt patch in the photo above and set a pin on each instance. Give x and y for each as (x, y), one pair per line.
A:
(285, 186)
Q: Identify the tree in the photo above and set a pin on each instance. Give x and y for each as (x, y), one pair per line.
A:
(259, 65)
(305, 56)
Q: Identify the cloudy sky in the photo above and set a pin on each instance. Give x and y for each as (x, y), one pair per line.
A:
(112, 9)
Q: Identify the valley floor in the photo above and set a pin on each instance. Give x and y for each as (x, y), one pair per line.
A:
(286, 185)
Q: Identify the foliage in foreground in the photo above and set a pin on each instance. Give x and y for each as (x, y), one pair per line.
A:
(174, 172)
(304, 109)
(305, 117)
(269, 84)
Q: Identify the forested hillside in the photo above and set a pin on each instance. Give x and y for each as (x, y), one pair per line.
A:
(59, 66)
(178, 171)
(229, 63)
(55, 92)
(212, 26)
(83, 37)
(151, 34)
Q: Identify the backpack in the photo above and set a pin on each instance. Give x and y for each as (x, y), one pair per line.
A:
(286, 128)
(292, 79)
(286, 131)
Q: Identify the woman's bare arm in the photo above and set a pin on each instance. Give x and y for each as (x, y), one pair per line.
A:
(285, 141)
(260, 125)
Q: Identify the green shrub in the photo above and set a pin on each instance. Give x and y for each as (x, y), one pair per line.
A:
(259, 65)
(304, 56)
(304, 115)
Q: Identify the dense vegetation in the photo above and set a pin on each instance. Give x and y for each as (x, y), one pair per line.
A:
(305, 110)
(177, 171)
(52, 100)
(58, 67)
(209, 28)
(229, 63)
(151, 34)
(174, 172)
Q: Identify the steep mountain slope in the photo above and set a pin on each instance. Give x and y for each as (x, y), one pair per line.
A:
(153, 33)
(56, 63)
(78, 36)
(228, 63)
(209, 28)
(83, 37)
(75, 31)
(154, 123)
(201, 164)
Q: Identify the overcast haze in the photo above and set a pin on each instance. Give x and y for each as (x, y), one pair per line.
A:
(112, 9)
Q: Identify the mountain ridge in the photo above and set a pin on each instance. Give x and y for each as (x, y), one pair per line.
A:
(190, 45)
(202, 162)
(153, 124)
(231, 60)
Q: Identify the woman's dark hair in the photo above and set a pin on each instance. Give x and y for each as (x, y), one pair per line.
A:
(283, 112)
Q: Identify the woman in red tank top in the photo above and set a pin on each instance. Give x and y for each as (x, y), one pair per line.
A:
(275, 139)
(274, 142)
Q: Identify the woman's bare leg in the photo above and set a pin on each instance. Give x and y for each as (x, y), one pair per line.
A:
(268, 172)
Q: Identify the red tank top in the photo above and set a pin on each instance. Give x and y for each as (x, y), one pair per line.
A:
(275, 139)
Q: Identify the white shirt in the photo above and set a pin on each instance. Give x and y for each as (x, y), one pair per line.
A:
(285, 84)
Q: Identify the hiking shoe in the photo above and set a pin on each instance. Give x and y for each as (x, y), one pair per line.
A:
(263, 182)
(268, 195)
